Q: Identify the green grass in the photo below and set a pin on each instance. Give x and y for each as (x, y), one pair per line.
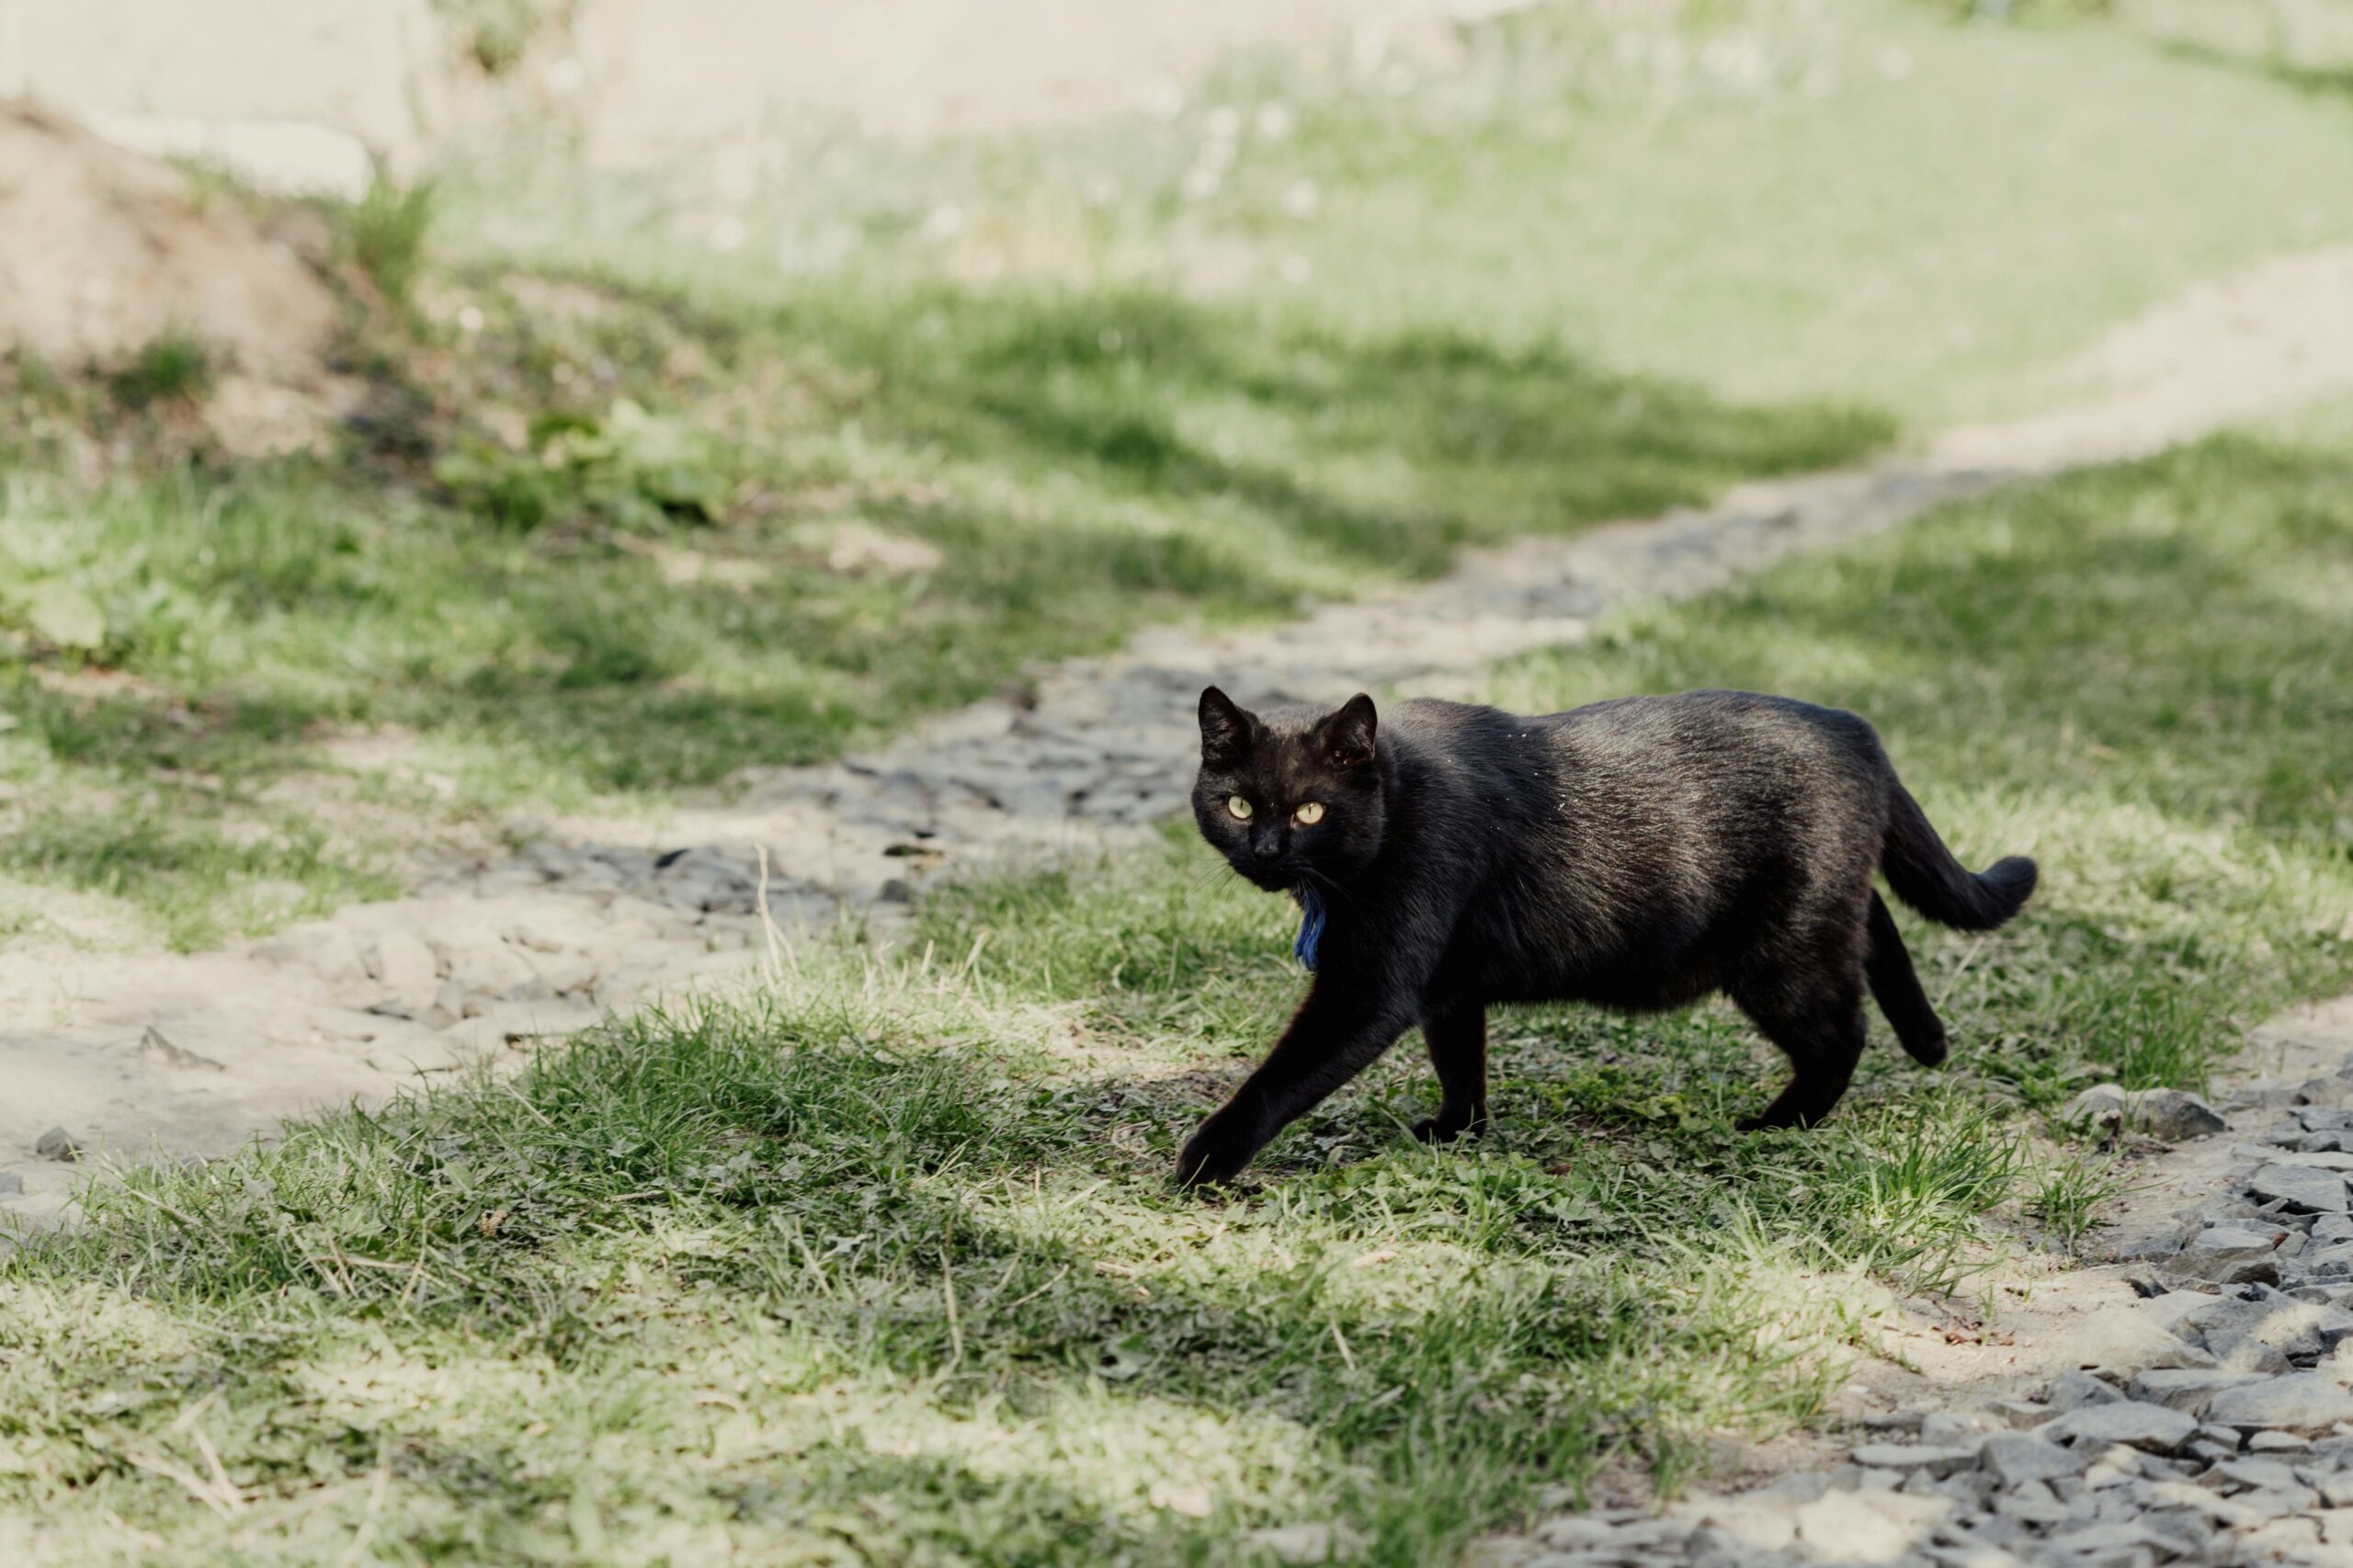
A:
(173, 368)
(882, 1265)
(640, 559)
(384, 233)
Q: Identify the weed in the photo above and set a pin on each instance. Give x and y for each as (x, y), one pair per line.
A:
(384, 234)
(174, 367)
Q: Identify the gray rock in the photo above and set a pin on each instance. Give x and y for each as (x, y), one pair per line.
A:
(2015, 1459)
(2251, 1471)
(1956, 1428)
(2268, 1442)
(11, 1184)
(2172, 1115)
(2129, 1422)
(2237, 1235)
(2301, 1188)
(2300, 1402)
(2074, 1390)
(57, 1144)
(2207, 1451)
(2263, 1330)
(2188, 1389)
(2329, 1260)
(155, 1046)
(1906, 1457)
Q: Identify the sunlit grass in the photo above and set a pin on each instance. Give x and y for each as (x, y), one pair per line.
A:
(883, 1261)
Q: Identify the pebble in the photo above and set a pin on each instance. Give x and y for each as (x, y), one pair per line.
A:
(2173, 1116)
(2306, 1403)
(2302, 1188)
(2156, 1427)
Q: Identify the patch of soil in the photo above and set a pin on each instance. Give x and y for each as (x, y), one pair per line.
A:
(104, 254)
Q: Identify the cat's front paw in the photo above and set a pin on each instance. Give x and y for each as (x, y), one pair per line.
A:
(1215, 1154)
(1445, 1129)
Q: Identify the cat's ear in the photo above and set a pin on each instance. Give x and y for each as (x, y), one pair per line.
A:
(1225, 729)
(1346, 737)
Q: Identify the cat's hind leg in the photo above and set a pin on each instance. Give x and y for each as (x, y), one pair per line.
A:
(1456, 1034)
(1823, 1044)
(1804, 989)
(1896, 987)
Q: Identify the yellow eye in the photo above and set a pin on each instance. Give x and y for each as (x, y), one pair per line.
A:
(1310, 812)
(1238, 806)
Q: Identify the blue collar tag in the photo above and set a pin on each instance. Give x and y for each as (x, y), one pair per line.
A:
(1311, 926)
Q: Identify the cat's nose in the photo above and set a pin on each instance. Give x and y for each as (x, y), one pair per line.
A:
(1267, 848)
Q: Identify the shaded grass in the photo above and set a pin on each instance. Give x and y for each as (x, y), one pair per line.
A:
(881, 1264)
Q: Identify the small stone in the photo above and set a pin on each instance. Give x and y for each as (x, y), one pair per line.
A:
(2015, 1458)
(2102, 1105)
(2186, 1389)
(2301, 1188)
(11, 1184)
(2023, 1414)
(1759, 1521)
(2074, 1390)
(1955, 1429)
(2258, 1329)
(1906, 1457)
(57, 1144)
(2300, 1402)
(156, 1048)
(2251, 1471)
(1867, 1527)
(1894, 1420)
(2130, 1422)
(2114, 1467)
(2173, 1116)
(2278, 1443)
(2031, 1503)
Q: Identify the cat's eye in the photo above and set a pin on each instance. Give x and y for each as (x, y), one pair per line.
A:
(1310, 812)
(1239, 807)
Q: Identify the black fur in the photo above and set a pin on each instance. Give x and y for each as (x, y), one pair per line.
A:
(1638, 854)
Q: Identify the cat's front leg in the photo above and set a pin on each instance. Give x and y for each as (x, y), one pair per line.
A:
(1337, 1033)
(1456, 1034)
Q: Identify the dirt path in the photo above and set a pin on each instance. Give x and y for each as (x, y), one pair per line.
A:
(134, 1056)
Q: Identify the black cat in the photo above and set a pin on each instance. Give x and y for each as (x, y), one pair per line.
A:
(1638, 854)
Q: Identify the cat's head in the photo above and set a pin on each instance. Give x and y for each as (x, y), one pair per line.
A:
(1291, 796)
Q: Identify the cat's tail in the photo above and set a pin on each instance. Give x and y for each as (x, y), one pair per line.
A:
(1926, 876)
